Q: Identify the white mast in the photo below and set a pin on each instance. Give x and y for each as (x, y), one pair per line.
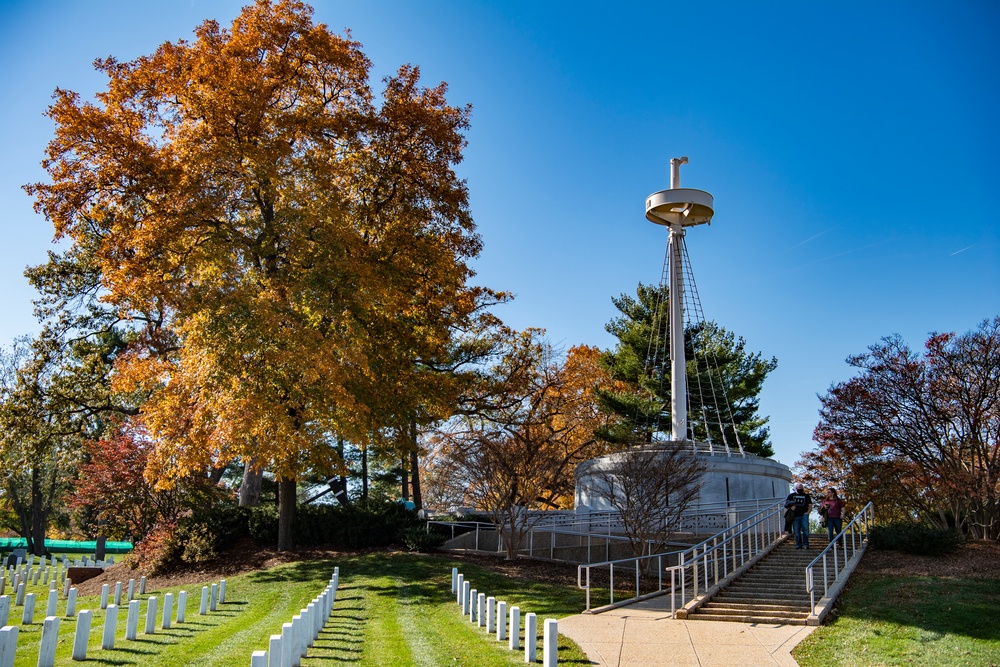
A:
(678, 208)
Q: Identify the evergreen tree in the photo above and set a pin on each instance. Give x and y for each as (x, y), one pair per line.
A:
(723, 377)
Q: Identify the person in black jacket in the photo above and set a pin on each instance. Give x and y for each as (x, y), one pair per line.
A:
(801, 504)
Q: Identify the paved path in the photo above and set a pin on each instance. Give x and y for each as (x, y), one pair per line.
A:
(644, 635)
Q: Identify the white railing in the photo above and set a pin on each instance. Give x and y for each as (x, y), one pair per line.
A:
(694, 569)
(850, 543)
(479, 527)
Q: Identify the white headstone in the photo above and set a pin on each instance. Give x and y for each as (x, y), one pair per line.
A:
(50, 635)
(71, 603)
(168, 610)
(473, 599)
(151, 615)
(8, 644)
(132, 621)
(50, 608)
(105, 590)
(4, 609)
(491, 614)
(214, 597)
(515, 628)
(222, 592)
(480, 609)
(118, 593)
(82, 635)
(287, 639)
(28, 615)
(550, 643)
(501, 621)
(459, 584)
(19, 597)
(530, 637)
(204, 601)
(182, 599)
(142, 585)
(274, 651)
(454, 579)
(131, 589)
(110, 627)
(258, 659)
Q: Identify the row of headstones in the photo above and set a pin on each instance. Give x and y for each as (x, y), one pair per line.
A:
(487, 611)
(16, 562)
(56, 572)
(27, 600)
(297, 637)
(50, 627)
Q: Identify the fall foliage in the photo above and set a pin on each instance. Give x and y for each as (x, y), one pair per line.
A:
(919, 434)
(287, 249)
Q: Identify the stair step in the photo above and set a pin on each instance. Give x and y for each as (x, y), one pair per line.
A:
(772, 620)
(774, 613)
(759, 608)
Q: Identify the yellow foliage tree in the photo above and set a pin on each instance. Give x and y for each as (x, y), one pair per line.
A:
(304, 246)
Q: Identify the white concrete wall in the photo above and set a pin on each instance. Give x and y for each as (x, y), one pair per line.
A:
(749, 478)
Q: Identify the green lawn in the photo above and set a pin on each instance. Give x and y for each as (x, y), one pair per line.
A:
(890, 620)
(391, 609)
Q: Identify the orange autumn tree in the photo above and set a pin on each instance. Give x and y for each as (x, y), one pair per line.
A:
(298, 239)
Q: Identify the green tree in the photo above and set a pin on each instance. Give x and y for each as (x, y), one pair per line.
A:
(286, 248)
(723, 378)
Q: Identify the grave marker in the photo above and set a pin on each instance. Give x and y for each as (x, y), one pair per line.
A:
(71, 603)
(530, 637)
(550, 643)
(501, 621)
(8, 645)
(132, 621)
(168, 610)
(28, 615)
(110, 626)
(50, 635)
(274, 651)
(515, 628)
(4, 609)
(151, 615)
(82, 635)
(182, 599)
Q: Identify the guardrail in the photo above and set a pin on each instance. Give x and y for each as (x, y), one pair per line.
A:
(838, 554)
(707, 563)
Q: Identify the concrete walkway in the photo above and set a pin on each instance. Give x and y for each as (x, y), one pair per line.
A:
(644, 635)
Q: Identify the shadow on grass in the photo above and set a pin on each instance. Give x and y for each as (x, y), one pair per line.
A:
(953, 606)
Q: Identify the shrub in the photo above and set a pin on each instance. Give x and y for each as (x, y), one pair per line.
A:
(418, 538)
(914, 538)
(373, 524)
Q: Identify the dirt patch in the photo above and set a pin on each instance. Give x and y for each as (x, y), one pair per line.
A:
(972, 559)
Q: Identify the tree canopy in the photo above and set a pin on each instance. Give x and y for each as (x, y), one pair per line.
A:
(725, 379)
(920, 434)
(285, 248)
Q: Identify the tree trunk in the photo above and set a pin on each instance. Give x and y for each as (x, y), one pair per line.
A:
(286, 513)
(403, 465)
(415, 475)
(364, 474)
(253, 476)
(38, 514)
(343, 478)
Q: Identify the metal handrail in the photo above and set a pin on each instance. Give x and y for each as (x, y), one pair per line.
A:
(728, 549)
(857, 530)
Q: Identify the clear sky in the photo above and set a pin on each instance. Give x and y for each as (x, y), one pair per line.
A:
(851, 148)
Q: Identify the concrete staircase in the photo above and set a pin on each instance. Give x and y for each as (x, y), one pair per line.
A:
(772, 591)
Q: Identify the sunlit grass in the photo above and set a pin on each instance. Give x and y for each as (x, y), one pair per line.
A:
(391, 609)
(891, 620)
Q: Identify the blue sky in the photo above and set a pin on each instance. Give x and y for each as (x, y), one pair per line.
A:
(851, 149)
